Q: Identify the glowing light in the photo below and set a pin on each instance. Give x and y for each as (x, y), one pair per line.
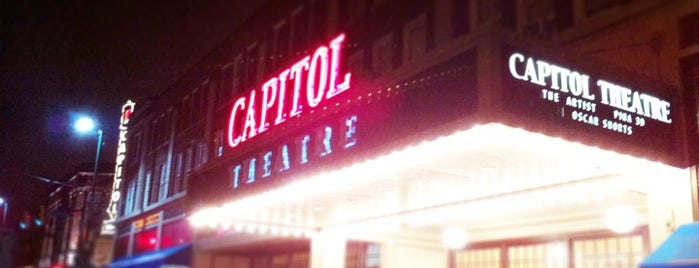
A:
(267, 164)
(304, 148)
(236, 175)
(84, 124)
(152, 241)
(320, 73)
(350, 139)
(454, 238)
(478, 197)
(621, 219)
(327, 149)
(251, 171)
(321, 55)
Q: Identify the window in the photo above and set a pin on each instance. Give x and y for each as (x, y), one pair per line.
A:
(203, 153)
(554, 255)
(176, 233)
(238, 73)
(689, 74)
(299, 32)
(131, 197)
(225, 88)
(585, 251)
(356, 9)
(197, 155)
(622, 251)
(199, 105)
(689, 35)
(415, 41)
(319, 9)
(383, 54)
(218, 143)
(487, 10)
(147, 187)
(138, 194)
(164, 181)
(145, 241)
(133, 147)
(280, 48)
(188, 161)
(539, 18)
(155, 135)
(251, 65)
(460, 17)
(185, 111)
(482, 257)
(178, 178)
(355, 62)
(362, 255)
(196, 101)
(595, 6)
(154, 190)
(121, 247)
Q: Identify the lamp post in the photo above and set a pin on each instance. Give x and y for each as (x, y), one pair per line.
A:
(86, 125)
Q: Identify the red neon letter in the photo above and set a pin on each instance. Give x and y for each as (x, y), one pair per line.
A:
(269, 93)
(296, 75)
(281, 115)
(233, 140)
(322, 55)
(335, 46)
(250, 130)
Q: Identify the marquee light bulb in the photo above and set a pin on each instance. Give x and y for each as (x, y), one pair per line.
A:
(454, 238)
(621, 219)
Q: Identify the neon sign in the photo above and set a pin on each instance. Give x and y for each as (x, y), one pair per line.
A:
(316, 77)
(126, 112)
(304, 148)
(630, 108)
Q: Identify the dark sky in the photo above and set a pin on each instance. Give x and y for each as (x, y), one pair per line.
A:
(59, 59)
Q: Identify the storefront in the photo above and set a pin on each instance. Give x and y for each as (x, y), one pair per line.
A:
(498, 154)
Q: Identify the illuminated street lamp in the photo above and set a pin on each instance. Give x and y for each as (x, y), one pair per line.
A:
(4, 211)
(87, 125)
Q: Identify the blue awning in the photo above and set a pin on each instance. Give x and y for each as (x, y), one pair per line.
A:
(177, 255)
(680, 250)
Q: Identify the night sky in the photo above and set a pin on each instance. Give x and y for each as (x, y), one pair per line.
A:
(59, 59)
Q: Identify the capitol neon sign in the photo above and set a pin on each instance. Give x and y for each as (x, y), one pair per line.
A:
(317, 77)
(126, 112)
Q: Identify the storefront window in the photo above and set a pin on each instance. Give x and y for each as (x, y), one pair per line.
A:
(289, 260)
(554, 255)
(145, 241)
(626, 251)
(121, 247)
(601, 251)
(486, 258)
(176, 233)
(363, 255)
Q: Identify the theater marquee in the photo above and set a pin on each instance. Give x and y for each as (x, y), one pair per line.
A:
(578, 97)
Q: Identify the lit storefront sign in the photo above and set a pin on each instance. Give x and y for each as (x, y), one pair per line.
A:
(319, 73)
(562, 85)
(108, 225)
(366, 121)
(147, 221)
(605, 105)
(305, 147)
